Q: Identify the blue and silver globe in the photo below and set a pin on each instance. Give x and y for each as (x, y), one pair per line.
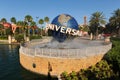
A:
(66, 21)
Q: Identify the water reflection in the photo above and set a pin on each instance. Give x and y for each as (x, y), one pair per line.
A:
(10, 68)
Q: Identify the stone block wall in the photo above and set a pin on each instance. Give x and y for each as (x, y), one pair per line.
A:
(39, 64)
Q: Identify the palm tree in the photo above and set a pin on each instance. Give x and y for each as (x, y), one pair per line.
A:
(96, 20)
(23, 27)
(3, 20)
(115, 20)
(46, 19)
(20, 26)
(13, 20)
(41, 21)
(1, 29)
(19, 23)
(28, 19)
(33, 25)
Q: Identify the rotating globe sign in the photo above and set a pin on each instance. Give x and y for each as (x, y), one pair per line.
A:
(62, 26)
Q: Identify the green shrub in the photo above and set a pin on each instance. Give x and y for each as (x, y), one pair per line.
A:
(19, 37)
(9, 31)
(64, 74)
(100, 71)
(35, 37)
(103, 70)
(113, 56)
(74, 75)
(3, 37)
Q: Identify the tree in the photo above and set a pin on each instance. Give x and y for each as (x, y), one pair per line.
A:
(13, 20)
(33, 25)
(1, 29)
(3, 20)
(28, 19)
(46, 19)
(96, 20)
(41, 21)
(115, 20)
(23, 26)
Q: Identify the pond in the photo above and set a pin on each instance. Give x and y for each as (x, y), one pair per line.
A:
(10, 68)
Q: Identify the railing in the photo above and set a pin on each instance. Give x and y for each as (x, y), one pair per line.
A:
(66, 53)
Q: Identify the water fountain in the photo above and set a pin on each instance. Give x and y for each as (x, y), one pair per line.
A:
(63, 52)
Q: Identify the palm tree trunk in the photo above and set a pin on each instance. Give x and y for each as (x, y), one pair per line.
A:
(4, 31)
(25, 35)
(28, 32)
(33, 32)
(96, 36)
(41, 30)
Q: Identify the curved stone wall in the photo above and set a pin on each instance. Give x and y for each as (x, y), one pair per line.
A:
(58, 64)
(42, 60)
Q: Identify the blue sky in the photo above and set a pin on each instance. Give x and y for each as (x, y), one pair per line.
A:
(51, 8)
